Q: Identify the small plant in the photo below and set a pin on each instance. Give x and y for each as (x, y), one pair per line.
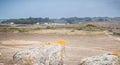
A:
(50, 27)
(72, 31)
(90, 25)
(38, 28)
(23, 30)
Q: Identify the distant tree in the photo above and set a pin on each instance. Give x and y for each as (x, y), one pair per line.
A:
(87, 19)
(71, 20)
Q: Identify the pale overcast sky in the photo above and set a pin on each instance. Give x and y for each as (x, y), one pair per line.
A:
(59, 8)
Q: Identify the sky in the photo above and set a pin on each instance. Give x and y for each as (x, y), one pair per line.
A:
(59, 8)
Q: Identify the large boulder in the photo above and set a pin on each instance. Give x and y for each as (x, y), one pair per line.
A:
(105, 59)
(50, 54)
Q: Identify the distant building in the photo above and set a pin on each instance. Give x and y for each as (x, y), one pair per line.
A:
(54, 23)
(11, 23)
(37, 23)
(46, 23)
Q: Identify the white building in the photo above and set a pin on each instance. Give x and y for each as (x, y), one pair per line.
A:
(11, 23)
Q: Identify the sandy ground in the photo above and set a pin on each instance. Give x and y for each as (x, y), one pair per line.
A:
(78, 46)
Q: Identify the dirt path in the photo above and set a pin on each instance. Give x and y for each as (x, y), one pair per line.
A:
(77, 47)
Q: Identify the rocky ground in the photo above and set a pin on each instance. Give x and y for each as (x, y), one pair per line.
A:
(78, 46)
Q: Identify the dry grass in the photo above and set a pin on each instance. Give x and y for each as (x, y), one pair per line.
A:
(67, 32)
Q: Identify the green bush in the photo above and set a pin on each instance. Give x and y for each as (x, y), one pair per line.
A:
(91, 27)
(50, 27)
(116, 33)
(38, 28)
(23, 30)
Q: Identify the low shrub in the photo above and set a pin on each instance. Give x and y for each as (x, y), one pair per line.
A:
(50, 27)
(116, 33)
(91, 27)
(13, 30)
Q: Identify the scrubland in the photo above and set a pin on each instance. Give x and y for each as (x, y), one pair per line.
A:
(83, 40)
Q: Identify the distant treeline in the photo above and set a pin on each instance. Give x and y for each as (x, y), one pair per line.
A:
(71, 20)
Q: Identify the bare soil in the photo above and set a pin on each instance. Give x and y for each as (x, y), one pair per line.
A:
(78, 46)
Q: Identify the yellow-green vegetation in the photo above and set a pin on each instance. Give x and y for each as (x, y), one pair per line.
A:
(91, 27)
(20, 29)
(12, 29)
(70, 29)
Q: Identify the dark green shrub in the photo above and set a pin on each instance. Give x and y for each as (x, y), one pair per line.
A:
(38, 28)
(116, 33)
(90, 25)
(50, 27)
